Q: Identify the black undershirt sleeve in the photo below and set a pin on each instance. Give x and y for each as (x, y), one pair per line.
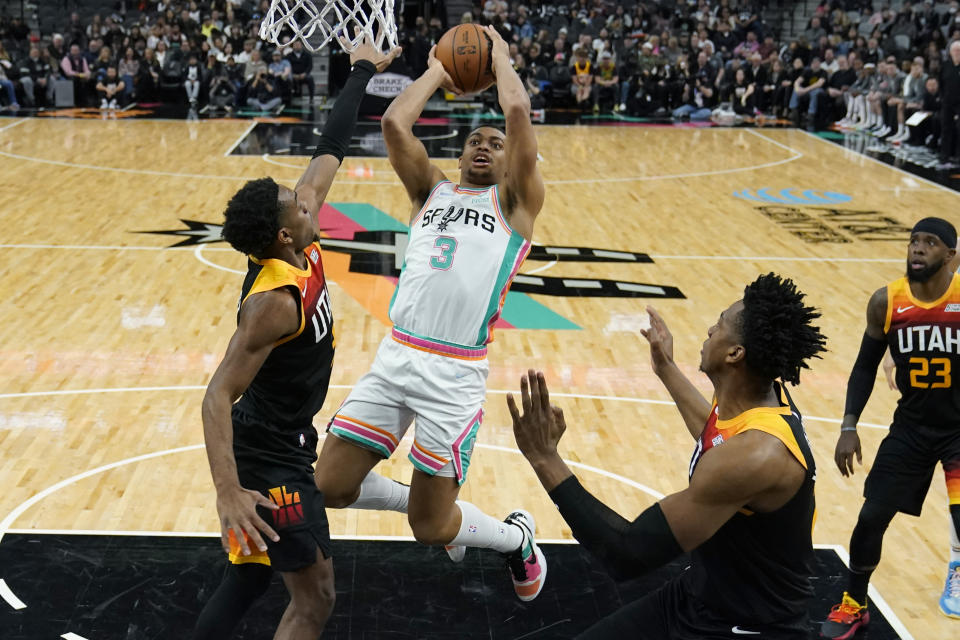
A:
(864, 374)
(335, 139)
(627, 549)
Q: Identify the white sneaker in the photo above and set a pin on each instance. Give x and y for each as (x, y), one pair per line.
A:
(113, 104)
(623, 106)
(883, 132)
(103, 104)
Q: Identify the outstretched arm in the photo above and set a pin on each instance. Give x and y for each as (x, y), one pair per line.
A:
(265, 318)
(524, 191)
(334, 142)
(746, 467)
(693, 407)
(407, 154)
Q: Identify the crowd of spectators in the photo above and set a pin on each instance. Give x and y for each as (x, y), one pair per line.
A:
(198, 53)
(863, 64)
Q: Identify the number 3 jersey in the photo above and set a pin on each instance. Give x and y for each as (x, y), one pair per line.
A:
(291, 385)
(461, 258)
(924, 339)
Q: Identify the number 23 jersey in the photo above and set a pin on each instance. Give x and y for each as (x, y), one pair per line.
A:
(924, 339)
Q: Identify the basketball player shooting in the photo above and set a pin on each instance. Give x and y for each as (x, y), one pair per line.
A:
(466, 243)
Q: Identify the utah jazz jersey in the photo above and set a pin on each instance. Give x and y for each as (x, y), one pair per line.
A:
(291, 385)
(461, 258)
(757, 566)
(924, 339)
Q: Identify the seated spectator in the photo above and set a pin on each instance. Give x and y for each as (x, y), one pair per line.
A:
(75, 67)
(909, 99)
(148, 79)
(7, 85)
(129, 70)
(699, 93)
(838, 86)
(779, 87)
(263, 93)
(281, 71)
(301, 68)
(858, 114)
(223, 93)
(741, 94)
(191, 80)
(928, 131)
(98, 68)
(889, 84)
(110, 88)
(36, 79)
(757, 74)
(57, 49)
(582, 76)
(606, 82)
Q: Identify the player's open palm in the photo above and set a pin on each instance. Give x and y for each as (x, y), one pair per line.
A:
(848, 445)
(541, 425)
(237, 509)
(660, 339)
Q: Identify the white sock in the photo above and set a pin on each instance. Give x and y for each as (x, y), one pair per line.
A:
(382, 494)
(954, 542)
(477, 529)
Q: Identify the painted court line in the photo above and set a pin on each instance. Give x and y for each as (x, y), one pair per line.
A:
(237, 142)
(12, 125)
(9, 596)
(576, 396)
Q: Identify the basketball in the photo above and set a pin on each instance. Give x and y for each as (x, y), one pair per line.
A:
(464, 52)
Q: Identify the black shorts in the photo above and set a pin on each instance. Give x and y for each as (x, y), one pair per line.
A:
(670, 613)
(300, 522)
(904, 465)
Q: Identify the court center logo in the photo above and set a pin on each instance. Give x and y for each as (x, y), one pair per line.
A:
(790, 196)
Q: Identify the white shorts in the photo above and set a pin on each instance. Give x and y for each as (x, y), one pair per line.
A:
(442, 385)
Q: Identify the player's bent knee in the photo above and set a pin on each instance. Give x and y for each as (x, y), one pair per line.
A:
(431, 531)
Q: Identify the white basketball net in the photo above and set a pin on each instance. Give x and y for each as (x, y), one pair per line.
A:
(288, 20)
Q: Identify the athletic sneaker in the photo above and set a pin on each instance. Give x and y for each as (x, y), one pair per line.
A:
(456, 552)
(844, 619)
(950, 600)
(527, 565)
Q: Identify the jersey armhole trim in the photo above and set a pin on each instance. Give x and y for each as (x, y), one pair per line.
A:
(423, 207)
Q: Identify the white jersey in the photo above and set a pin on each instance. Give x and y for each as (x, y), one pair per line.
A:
(461, 258)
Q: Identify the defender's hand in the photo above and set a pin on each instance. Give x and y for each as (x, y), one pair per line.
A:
(237, 509)
(366, 50)
(847, 445)
(540, 427)
(661, 341)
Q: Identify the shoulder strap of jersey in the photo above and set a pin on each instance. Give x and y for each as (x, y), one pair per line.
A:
(426, 202)
(275, 274)
(899, 288)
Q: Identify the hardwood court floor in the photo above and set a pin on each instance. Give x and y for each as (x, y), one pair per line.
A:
(107, 338)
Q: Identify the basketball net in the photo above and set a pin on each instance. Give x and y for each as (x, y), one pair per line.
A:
(289, 20)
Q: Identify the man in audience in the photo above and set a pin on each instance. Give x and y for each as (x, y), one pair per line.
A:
(909, 99)
(35, 76)
(301, 67)
(950, 106)
(808, 88)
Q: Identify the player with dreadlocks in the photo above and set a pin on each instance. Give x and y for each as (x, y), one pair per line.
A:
(747, 516)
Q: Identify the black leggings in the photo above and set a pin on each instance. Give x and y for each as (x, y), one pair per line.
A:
(242, 584)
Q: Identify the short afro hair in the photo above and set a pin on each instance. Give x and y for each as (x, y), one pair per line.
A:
(776, 329)
(252, 217)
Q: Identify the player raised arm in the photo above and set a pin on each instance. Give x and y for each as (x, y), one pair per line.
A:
(752, 466)
(265, 318)
(407, 154)
(860, 385)
(523, 192)
(693, 407)
(334, 143)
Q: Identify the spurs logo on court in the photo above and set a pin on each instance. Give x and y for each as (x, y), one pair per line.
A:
(380, 253)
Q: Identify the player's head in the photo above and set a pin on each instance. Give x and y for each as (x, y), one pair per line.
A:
(933, 244)
(263, 218)
(769, 334)
(483, 160)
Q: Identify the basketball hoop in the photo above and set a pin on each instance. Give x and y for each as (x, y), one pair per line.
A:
(347, 20)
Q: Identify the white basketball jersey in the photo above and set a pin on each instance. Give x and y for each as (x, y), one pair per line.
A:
(461, 258)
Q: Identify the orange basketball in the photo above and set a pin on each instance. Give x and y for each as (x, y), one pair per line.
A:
(464, 52)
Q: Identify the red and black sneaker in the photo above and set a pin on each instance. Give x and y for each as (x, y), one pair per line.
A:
(844, 619)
